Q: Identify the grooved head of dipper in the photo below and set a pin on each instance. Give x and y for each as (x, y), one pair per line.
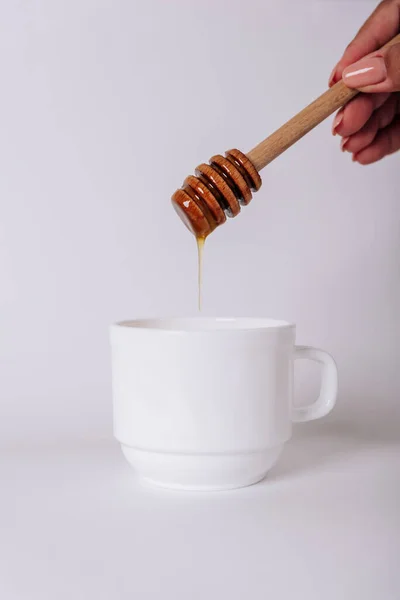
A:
(218, 190)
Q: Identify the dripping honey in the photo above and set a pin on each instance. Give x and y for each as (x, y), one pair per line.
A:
(200, 249)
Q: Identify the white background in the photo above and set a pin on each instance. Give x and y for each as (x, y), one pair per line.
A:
(105, 107)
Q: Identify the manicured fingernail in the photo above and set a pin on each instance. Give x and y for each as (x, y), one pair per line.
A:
(343, 143)
(354, 158)
(336, 122)
(367, 71)
(332, 77)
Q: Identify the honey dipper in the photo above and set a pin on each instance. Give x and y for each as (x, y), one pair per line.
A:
(220, 188)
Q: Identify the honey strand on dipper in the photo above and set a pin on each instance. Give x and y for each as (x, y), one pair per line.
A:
(220, 188)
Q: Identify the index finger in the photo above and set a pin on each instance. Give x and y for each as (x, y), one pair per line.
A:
(378, 29)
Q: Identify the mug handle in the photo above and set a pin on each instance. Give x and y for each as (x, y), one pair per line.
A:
(329, 385)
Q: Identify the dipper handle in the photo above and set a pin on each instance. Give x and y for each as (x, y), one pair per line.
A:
(311, 116)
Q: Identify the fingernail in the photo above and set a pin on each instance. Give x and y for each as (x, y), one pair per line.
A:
(367, 71)
(343, 143)
(336, 122)
(354, 157)
(332, 77)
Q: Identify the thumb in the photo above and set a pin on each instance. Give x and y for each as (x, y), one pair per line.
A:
(377, 72)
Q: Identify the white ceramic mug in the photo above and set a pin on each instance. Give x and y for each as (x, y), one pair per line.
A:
(207, 404)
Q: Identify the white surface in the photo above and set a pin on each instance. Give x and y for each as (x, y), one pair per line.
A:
(325, 525)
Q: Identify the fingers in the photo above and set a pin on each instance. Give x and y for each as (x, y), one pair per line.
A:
(379, 72)
(386, 142)
(356, 113)
(379, 136)
(381, 26)
(380, 119)
(370, 124)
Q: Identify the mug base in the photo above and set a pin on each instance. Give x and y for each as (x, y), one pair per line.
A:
(203, 488)
(202, 472)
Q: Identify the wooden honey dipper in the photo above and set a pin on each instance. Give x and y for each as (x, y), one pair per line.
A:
(220, 188)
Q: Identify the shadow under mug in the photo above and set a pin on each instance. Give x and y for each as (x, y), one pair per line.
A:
(207, 404)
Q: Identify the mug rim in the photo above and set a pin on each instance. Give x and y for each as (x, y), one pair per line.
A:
(204, 324)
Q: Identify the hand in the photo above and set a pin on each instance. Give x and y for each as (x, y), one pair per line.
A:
(370, 123)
